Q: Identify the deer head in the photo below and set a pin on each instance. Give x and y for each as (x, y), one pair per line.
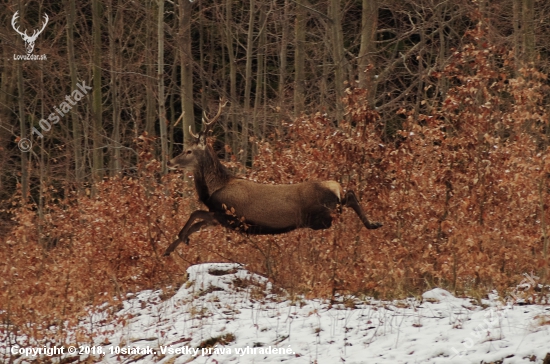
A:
(29, 40)
(194, 153)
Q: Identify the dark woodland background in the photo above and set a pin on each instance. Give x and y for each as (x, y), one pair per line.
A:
(435, 112)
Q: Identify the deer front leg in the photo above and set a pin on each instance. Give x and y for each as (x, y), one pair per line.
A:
(351, 201)
(189, 228)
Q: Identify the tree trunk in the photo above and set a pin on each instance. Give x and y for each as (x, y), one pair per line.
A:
(283, 54)
(248, 80)
(173, 93)
(115, 139)
(369, 24)
(23, 134)
(186, 68)
(160, 79)
(232, 74)
(482, 6)
(337, 40)
(517, 31)
(262, 40)
(7, 85)
(299, 57)
(204, 76)
(443, 83)
(150, 105)
(75, 120)
(22, 127)
(528, 29)
(97, 108)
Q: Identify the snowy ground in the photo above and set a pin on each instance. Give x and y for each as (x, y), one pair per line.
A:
(224, 314)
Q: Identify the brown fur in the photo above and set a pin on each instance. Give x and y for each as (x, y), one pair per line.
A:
(255, 208)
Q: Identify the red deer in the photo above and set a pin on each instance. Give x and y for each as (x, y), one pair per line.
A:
(255, 208)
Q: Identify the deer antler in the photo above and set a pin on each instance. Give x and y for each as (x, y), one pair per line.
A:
(207, 122)
(196, 136)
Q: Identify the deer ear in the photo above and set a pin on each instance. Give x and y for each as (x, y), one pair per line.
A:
(202, 140)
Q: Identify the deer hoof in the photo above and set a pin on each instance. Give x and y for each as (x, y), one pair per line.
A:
(376, 225)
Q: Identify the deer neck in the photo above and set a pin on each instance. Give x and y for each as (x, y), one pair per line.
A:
(210, 176)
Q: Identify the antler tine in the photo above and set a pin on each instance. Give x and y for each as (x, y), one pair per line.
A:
(196, 136)
(208, 122)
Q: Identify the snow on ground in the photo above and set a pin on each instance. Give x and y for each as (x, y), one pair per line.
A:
(225, 314)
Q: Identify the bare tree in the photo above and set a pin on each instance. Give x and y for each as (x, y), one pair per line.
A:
(248, 78)
(75, 121)
(115, 138)
(299, 57)
(283, 53)
(186, 57)
(97, 106)
(260, 72)
(227, 34)
(528, 30)
(150, 105)
(369, 24)
(160, 80)
(338, 55)
(22, 132)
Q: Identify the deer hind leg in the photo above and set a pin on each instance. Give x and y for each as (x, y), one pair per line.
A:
(320, 220)
(350, 200)
(190, 228)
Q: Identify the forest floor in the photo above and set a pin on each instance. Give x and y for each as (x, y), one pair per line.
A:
(225, 314)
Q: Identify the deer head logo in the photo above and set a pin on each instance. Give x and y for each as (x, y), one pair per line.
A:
(29, 40)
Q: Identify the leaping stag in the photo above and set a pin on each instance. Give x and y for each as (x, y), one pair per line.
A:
(29, 41)
(255, 208)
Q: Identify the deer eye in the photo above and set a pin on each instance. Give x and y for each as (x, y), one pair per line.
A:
(188, 151)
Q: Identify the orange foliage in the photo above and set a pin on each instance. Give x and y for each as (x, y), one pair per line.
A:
(463, 194)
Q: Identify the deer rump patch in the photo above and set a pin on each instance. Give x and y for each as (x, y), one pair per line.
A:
(256, 208)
